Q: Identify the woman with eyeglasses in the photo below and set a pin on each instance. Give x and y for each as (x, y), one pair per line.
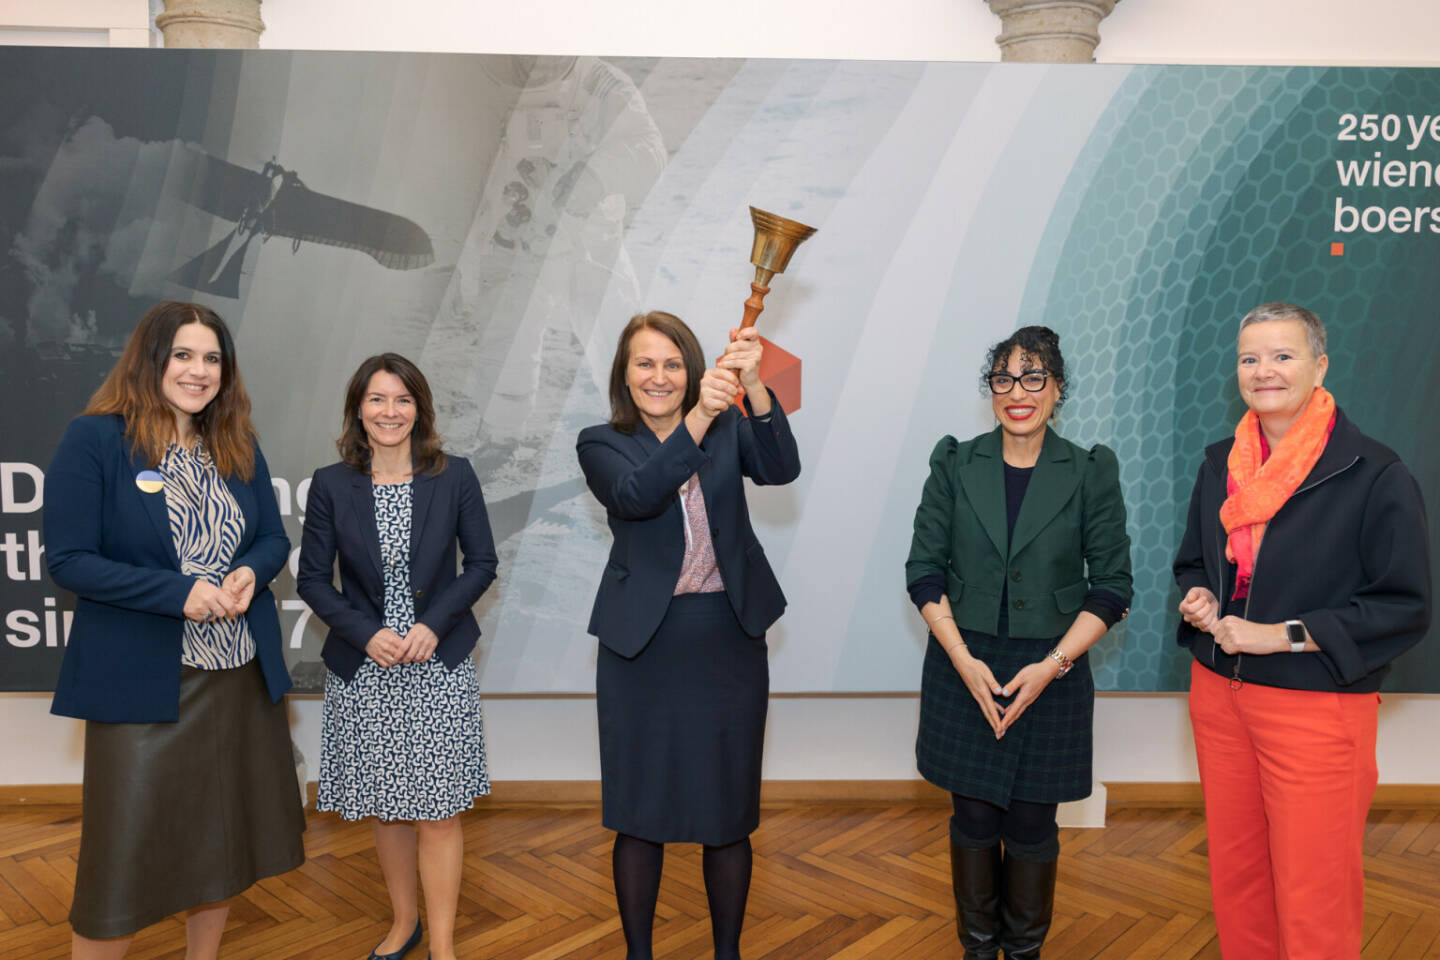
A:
(1019, 563)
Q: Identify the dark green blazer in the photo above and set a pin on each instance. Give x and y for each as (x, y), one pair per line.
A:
(1072, 518)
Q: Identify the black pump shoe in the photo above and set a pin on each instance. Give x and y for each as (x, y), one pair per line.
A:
(409, 945)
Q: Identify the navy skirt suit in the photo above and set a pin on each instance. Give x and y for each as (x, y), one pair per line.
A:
(682, 681)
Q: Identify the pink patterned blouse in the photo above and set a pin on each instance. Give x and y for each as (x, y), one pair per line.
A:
(698, 572)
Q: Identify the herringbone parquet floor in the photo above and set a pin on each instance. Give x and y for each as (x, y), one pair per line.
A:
(832, 882)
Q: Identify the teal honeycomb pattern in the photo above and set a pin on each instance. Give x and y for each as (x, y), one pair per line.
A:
(1202, 192)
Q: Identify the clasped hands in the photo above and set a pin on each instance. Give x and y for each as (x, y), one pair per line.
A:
(1024, 687)
(1232, 634)
(207, 602)
(387, 648)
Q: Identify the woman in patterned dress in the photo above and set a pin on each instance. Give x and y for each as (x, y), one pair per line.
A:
(1019, 563)
(401, 737)
(682, 677)
(160, 516)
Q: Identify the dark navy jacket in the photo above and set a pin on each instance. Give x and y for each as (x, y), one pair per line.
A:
(1348, 555)
(637, 479)
(340, 522)
(110, 543)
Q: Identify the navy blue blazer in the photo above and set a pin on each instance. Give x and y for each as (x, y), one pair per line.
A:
(340, 522)
(637, 479)
(109, 542)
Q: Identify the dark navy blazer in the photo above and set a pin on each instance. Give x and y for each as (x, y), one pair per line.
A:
(637, 479)
(340, 522)
(110, 543)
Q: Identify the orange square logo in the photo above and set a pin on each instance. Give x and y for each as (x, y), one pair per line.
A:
(1337, 249)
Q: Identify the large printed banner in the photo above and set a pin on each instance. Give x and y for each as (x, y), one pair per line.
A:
(498, 219)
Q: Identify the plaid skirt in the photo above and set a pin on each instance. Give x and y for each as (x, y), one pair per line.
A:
(1044, 758)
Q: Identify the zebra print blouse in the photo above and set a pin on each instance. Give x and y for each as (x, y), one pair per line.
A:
(207, 525)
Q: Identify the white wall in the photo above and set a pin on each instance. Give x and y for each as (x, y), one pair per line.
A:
(844, 29)
(1393, 32)
(75, 23)
(1138, 738)
(1397, 33)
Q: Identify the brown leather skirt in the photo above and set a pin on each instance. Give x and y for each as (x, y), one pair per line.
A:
(178, 815)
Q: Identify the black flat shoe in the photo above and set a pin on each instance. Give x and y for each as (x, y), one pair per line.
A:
(409, 945)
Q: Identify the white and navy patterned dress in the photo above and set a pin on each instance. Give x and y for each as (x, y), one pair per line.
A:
(206, 524)
(403, 742)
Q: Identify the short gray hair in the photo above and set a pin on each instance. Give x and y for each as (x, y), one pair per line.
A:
(1276, 310)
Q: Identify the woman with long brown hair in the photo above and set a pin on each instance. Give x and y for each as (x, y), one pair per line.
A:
(401, 738)
(161, 518)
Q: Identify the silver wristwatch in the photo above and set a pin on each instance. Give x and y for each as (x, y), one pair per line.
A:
(1295, 633)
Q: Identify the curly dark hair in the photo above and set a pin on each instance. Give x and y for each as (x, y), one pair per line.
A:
(1039, 349)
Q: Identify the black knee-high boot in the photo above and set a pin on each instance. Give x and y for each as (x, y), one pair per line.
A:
(975, 875)
(1027, 898)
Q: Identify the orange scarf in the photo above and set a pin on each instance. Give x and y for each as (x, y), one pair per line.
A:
(1258, 487)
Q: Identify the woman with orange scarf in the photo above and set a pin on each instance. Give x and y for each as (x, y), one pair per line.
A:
(1289, 653)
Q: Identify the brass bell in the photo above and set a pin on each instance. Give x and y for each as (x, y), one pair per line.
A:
(775, 241)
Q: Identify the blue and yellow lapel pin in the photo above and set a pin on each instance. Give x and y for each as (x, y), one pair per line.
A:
(150, 481)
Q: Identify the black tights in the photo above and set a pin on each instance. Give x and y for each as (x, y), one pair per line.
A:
(637, 865)
(1028, 829)
(727, 885)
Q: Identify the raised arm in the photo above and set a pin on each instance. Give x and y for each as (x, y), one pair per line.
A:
(634, 490)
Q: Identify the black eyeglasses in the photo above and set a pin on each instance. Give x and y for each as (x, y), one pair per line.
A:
(1033, 381)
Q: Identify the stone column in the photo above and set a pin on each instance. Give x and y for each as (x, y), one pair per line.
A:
(1050, 31)
(211, 23)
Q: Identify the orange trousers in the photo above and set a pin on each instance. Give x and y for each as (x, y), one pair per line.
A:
(1288, 776)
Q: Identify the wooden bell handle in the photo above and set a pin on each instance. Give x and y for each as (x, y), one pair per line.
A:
(754, 304)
